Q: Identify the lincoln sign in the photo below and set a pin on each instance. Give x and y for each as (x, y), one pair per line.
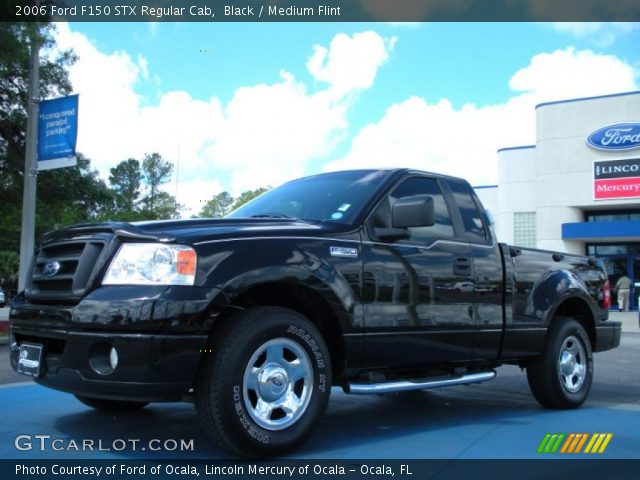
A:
(621, 136)
(616, 179)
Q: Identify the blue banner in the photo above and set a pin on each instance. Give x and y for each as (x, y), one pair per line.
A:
(57, 132)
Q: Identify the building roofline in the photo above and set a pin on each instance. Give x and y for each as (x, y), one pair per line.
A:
(522, 147)
(582, 99)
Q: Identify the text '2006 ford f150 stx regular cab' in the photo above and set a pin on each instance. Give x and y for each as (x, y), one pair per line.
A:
(375, 280)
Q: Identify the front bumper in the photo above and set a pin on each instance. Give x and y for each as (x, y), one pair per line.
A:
(607, 335)
(151, 367)
(158, 333)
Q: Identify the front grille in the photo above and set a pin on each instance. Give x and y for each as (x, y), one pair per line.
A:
(64, 270)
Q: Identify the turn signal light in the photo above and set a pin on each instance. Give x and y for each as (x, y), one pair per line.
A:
(186, 262)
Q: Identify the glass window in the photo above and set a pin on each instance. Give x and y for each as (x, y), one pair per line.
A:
(469, 211)
(442, 227)
(524, 229)
(334, 197)
(619, 216)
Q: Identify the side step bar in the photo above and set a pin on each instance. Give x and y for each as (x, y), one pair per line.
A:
(417, 384)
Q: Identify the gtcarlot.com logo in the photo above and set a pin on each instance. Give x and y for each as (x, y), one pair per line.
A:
(43, 442)
(575, 442)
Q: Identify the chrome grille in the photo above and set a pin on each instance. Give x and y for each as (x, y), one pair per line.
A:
(64, 270)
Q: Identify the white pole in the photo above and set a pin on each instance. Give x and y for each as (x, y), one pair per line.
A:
(30, 162)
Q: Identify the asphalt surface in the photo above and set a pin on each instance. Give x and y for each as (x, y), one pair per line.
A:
(496, 419)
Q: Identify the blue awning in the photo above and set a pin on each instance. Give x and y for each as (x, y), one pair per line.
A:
(627, 230)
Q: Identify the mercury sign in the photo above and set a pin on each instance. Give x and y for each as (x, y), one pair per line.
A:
(621, 136)
(57, 132)
(614, 179)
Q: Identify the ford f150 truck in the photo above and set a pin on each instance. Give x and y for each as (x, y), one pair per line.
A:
(374, 280)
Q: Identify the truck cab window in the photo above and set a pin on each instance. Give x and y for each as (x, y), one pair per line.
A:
(442, 228)
(471, 218)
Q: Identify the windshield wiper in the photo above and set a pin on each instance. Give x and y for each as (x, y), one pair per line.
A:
(271, 215)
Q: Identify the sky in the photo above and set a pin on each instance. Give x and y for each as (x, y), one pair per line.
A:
(241, 106)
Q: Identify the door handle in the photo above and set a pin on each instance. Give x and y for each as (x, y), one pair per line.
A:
(462, 267)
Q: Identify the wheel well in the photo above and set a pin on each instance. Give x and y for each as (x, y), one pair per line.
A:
(303, 300)
(578, 309)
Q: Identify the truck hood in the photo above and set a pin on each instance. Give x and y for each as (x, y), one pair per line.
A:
(193, 231)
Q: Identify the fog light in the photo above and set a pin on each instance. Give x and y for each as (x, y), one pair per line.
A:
(113, 358)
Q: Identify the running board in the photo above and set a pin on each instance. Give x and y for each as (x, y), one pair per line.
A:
(416, 384)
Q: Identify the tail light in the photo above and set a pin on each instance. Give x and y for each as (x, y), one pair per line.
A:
(606, 295)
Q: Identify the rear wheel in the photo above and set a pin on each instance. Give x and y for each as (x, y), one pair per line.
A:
(105, 405)
(266, 383)
(562, 376)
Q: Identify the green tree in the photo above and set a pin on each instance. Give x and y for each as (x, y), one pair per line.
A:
(157, 204)
(218, 206)
(125, 180)
(71, 195)
(156, 171)
(247, 196)
(9, 262)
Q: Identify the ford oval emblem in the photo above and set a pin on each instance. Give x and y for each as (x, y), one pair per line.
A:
(621, 136)
(51, 268)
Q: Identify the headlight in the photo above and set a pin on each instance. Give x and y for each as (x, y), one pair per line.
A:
(152, 264)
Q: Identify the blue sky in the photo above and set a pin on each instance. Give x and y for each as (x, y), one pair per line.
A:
(380, 94)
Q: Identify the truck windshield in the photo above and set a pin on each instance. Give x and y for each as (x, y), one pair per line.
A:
(336, 197)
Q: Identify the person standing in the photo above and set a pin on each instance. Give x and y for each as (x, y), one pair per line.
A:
(623, 288)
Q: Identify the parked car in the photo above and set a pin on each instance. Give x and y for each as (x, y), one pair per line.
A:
(2, 299)
(349, 278)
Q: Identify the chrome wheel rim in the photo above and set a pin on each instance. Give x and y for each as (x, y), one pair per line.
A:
(572, 364)
(277, 384)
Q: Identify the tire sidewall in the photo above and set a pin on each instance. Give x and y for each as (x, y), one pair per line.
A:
(565, 330)
(238, 421)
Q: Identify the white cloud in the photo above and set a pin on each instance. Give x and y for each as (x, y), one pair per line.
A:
(350, 63)
(600, 33)
(265, 135)
(569, 73)
(463, 142)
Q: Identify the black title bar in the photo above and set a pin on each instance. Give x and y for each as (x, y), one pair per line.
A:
(320, 10)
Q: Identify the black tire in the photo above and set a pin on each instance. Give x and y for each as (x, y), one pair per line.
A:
(561, 378)
(111, 406)
(257, 357)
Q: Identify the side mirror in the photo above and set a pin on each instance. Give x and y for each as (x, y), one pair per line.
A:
(413, 211)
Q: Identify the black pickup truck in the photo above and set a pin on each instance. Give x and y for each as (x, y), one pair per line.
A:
(374, 280)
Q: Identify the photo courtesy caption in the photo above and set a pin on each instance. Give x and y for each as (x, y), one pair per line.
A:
(169, 469)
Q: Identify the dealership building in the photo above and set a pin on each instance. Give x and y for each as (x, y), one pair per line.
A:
(578, 188)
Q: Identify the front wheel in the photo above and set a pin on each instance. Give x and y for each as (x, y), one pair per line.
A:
(562, 376)
(265, 382)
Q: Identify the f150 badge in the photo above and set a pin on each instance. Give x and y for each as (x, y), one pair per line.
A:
(343, 252)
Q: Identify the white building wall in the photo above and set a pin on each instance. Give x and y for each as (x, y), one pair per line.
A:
(516, 188)
(488, 195)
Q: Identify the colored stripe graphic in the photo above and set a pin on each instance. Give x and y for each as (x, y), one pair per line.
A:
(573, 443)
(607, 439)
(543, 443)
(584, 439)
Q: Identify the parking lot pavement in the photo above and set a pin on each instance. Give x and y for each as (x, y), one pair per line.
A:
(497, 419)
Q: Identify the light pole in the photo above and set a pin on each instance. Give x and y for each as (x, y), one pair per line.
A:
(30, 162)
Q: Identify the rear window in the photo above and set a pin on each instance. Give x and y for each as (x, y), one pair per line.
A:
(471, 215)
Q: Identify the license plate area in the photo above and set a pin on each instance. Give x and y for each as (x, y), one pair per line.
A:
(30, 359)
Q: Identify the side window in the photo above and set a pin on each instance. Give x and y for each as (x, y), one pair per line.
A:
(471, 218)
(442, 227)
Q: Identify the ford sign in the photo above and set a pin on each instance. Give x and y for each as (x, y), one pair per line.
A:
(621, 136)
